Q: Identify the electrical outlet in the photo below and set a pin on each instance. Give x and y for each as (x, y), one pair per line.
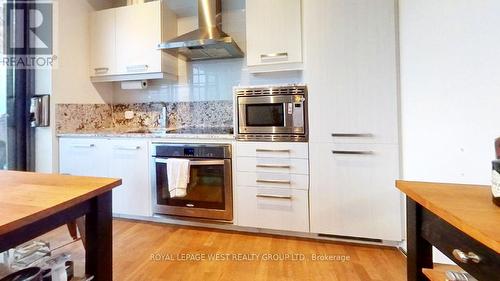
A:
(129, 115)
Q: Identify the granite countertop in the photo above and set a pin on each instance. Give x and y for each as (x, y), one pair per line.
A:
(176, 133)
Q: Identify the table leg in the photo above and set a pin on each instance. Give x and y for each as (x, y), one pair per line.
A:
(99, 239)
(419, 249)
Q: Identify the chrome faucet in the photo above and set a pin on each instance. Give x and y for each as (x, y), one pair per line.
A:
(164, 117)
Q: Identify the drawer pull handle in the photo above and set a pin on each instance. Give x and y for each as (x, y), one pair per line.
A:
(101, 70)
(466, 258)
(352, 152)
(136, 68)
(274, 181)
(273, 166)
(274, 56)
(285, 197)
(352, 135)
(127, 148)
(84, 146)
(274, 150)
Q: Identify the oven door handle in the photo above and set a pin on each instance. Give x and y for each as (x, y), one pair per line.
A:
(195, 163)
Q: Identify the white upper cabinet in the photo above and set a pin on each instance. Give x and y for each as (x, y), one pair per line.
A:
(138, 28)
(274, 35)
(351, 72)
(103, 47)
(129, 36)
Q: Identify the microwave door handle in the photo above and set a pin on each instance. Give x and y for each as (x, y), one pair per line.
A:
(285, 114)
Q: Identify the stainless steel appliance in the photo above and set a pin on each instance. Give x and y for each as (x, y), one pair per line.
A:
(272, 114)
(40, 111)
(208, 41)
(210, 191)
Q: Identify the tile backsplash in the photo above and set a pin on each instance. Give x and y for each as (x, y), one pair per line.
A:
(206, 81)
(83, 117)
(71, 118)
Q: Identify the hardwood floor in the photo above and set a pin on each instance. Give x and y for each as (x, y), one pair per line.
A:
(135, 243)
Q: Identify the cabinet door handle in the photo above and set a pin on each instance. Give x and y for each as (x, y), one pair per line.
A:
(274, 181)
(466, 258)
(273, 166)
(352, 152)
(274, 150)
(274, 56)
(127, 147)
(136, 68)
(101, 70)
(83, 146)
(335, 135)
(285, 197)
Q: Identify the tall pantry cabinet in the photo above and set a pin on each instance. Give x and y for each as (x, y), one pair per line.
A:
(351, 66)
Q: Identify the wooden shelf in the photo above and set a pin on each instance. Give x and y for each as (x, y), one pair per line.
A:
(438, 273)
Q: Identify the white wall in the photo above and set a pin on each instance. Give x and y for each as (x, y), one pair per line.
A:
(450, 79)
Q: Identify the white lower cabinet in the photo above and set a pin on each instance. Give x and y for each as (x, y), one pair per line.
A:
(272, 186)
(124, 159)
(129, 161)
(273, 208)
(353, 191)
(83, 157)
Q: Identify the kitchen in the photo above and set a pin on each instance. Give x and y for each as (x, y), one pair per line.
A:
(279, 125)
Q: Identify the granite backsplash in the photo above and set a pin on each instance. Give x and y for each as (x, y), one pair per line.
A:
(74, 118)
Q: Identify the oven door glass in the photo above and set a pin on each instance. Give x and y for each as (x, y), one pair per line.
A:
(206, 188)
(265, 115)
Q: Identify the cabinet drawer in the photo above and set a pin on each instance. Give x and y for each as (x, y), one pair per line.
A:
(273, 208)
(83, 157)
(273, 150)
(447, 238)
(279, 180)
(273, 165)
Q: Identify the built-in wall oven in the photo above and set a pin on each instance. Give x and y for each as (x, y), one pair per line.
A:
(209, 193)
(272, 113)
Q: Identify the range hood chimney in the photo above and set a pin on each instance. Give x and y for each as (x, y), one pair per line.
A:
(208, 41)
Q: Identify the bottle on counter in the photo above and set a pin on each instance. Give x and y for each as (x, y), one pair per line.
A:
(495, 184)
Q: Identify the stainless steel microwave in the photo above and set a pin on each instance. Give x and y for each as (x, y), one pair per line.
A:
(272, 114)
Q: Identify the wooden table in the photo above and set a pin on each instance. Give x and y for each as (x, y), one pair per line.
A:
(453, 218)
(33, 204)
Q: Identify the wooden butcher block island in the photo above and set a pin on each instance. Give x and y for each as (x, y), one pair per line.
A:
(32, 204)
(460, 220)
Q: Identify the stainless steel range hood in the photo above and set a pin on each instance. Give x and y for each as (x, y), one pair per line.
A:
(208, 41)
